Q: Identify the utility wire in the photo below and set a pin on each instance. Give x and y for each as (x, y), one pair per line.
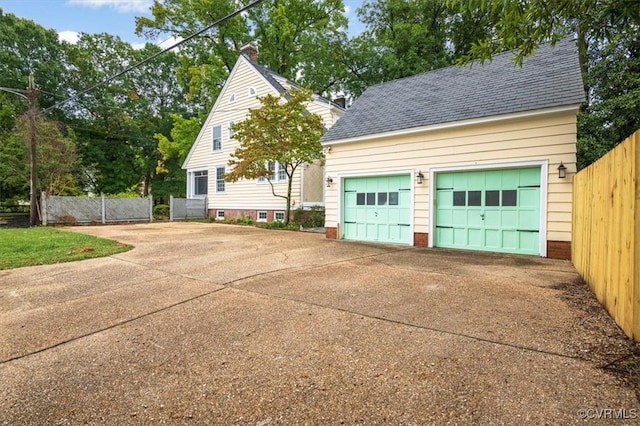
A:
(152, 57)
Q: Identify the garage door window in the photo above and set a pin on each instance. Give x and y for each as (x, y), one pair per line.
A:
(492, 198)
(393, 198)
(459, 198)
(509, 197)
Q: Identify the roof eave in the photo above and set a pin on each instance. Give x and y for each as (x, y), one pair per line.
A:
(453, 124)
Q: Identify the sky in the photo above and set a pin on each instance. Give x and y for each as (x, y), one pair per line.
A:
(116, 17)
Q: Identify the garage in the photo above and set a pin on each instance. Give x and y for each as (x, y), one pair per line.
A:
(377, 208)
(492, 210)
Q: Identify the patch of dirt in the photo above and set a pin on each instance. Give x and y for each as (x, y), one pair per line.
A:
(598, 338)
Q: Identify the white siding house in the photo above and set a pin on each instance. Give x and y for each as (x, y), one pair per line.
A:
(206, 163)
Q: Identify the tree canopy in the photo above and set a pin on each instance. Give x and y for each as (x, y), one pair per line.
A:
(281, 131)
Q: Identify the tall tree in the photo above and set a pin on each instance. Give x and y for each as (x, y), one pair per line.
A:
(56, 156)
(407, 37)
(607, 35)
(116, 122)
(282, 131)
(172, 180)
(290, 34)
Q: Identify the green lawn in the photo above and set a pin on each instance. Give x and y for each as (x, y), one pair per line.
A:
(42, 246)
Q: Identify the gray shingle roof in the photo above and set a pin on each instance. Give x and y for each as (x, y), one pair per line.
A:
(549, 78)
(272, 78)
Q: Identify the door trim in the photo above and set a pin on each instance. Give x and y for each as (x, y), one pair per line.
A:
(544, 174)
(340, 177)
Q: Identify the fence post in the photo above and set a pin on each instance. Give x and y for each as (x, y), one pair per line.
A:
(43, 201)
(103, 209)
(170, 208)
(150, 208)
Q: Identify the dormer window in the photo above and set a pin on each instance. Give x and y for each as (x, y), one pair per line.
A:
(232, 98)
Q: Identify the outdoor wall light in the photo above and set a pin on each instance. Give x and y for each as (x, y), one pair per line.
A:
(419, 177)
(562, 171)
(329, 181)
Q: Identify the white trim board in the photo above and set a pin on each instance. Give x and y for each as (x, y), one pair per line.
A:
(441, 126)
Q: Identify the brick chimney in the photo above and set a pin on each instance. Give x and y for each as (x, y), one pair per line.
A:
(250, 50)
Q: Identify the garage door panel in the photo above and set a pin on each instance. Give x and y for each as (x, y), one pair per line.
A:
(445, 236)
(381, 208)
(493, 238)
(528, 219)
(529, 197)
(489, 210)
(510, 239)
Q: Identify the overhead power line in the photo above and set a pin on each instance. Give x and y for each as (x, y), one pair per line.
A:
(152, 57)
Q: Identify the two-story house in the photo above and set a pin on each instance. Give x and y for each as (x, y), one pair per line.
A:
(207, 161)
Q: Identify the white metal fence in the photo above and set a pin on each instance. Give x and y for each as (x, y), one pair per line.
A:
(87, 210)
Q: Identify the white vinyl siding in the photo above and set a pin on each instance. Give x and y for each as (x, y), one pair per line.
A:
(216, 138)
(543, 138)
(244, 194)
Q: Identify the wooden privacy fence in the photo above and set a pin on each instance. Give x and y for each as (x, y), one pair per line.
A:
(87, 210)
(606, 232)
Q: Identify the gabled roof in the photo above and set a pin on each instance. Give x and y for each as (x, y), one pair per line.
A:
(549, 78)
(275, 78)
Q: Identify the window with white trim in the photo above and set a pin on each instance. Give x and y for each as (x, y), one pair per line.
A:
(252, 91)
(220, 214)
(278, 216)
(262, 216)
(232, 98)
(231, 132)
(276, 170)
(282, 172)
(199, 183)
(216, 137)
(220, 187)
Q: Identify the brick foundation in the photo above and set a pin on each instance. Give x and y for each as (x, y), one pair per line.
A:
(240, 213)
(420, 239)
(559, 250)
(331, 233)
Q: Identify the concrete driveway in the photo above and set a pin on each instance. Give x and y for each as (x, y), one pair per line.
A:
(218, 324)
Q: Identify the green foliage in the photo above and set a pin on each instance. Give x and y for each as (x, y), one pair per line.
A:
(56, 159)
(42, 246)
(312, 218)
(161, 211)
(609, 53)
(174, 150)
(408, 37)
(276, 224)
(280, 130)
(291, 34)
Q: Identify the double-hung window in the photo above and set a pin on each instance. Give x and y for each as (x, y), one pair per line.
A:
(231, 132)
(200, 179)
(281, 173)
(277, 172)
(216, 137)
(220, 179)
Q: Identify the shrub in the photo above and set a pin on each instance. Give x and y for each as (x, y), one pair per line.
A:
(313, 218)
(161, 211)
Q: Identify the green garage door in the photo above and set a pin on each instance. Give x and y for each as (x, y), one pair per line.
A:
(377, 209)
(497, 210)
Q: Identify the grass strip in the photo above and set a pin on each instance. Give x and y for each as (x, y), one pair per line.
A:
(43, 246)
